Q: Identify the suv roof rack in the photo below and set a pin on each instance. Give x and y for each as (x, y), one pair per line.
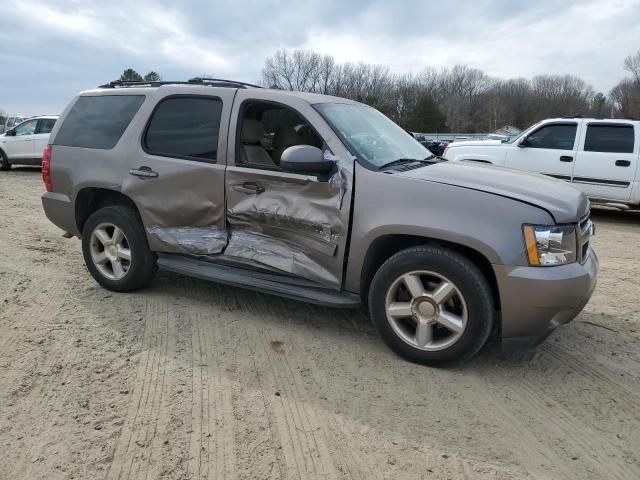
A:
(205, 81)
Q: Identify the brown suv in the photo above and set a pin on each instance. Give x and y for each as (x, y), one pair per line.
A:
(319, 199)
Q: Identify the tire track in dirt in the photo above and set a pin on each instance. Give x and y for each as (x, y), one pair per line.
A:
(131, 450)
(591, 373)
(576, 436)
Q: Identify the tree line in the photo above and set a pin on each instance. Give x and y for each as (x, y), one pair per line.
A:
(460, 98)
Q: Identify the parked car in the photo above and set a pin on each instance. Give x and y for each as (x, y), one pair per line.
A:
(599, 156)
(355, 212)
(11, 122)
(24, 143)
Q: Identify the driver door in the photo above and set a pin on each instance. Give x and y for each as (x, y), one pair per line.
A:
(550, 150)
(21, 146)
(293, 224)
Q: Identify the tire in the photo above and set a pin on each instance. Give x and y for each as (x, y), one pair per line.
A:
(4, 162)
(103, 249)
(444, 317)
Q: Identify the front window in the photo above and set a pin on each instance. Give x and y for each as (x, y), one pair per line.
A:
(370, 135)
(26, 128)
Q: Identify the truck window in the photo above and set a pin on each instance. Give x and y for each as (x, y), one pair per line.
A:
(45, 125)
(185, 127)
(26, 128)
(98, 122)
(556, 137)
(609, 139)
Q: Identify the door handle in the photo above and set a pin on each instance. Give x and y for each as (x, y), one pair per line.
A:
(143, 172)
(623, 163)
(566, 158)
(250, 188)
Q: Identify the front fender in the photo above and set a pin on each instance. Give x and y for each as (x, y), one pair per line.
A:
(396, 205)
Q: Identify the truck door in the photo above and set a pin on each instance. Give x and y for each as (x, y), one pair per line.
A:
(41, 137)
(289, 223)
(20, 146)
(550, 150)
(176, 177)
(607, 160)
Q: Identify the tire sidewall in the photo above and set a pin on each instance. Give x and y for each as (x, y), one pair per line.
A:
(466, 277)
(5, 164)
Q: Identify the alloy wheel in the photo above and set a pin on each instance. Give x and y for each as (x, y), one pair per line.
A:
(110, 251)
(426, 310)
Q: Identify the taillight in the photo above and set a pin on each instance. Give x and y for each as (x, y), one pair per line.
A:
(46, 167)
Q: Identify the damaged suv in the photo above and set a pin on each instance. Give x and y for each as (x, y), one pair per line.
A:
(319, 199)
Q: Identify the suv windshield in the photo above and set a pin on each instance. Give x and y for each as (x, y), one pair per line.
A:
(370, 135)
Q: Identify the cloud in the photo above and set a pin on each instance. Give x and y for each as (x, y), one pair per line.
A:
(51, 50)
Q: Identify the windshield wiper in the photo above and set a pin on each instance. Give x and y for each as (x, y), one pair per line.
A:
(431, 159)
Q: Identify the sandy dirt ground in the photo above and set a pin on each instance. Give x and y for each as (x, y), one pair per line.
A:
(191, 380)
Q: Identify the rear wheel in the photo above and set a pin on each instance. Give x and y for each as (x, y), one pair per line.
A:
(115, 249)
(4, 162)
(431, 305)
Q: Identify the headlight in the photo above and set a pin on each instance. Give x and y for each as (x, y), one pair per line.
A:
(547, 246)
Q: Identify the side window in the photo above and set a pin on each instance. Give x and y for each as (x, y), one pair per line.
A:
(267, 130)
(26, 128)
(98, 121)
(45, 125)
(557, 137)
(185, 127)
(609, 139)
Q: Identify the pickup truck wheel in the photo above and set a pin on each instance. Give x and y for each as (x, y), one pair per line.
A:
(431, 305)
(4, 162)
(115, 249)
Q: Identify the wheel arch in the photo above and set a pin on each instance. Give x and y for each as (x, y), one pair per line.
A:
(383, 247)
(90, 199)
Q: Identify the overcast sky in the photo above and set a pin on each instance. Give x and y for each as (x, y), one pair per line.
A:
(52, 49)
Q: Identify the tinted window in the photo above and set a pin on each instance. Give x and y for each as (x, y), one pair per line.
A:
(185, 127)
(26, 128)
(98, 122)
(558, 137)
(609, 138)
(45, 125)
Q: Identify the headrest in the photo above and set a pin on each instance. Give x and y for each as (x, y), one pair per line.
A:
(252, 131)
(285, 137)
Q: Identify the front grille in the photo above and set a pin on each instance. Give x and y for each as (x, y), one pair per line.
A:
(585, 232)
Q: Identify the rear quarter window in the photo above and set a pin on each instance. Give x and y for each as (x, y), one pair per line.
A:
(98, 122)
(609, 139)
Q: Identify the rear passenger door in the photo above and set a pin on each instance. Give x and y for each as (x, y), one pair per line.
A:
(41, 137)
(607, 160)
(176, 176)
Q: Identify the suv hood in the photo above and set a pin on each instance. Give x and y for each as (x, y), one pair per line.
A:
(565, 203)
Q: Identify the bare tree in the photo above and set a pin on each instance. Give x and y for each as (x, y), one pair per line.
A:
(632, 65)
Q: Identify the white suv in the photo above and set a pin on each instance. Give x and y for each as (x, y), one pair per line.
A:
(24, 143)
(599, 156)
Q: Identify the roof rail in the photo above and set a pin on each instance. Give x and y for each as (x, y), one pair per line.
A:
(573, 116)
(208, 82)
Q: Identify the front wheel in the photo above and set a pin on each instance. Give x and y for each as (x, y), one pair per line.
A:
(4, 162)
(116, 251)
(431, 305)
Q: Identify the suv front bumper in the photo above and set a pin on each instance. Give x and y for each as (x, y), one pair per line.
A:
(536, 300)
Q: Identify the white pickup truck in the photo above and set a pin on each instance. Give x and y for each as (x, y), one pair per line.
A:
(599, 156)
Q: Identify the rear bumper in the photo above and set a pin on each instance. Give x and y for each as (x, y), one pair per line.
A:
(59, 209)
(536, 300)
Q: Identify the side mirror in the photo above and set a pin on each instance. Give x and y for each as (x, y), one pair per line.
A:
(305, 159)
(524, 143)
(11, 133)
